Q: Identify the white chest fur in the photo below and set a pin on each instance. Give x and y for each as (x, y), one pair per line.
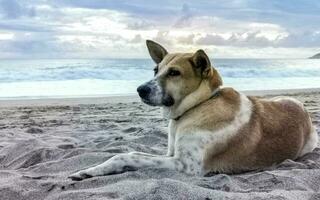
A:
(191, 144)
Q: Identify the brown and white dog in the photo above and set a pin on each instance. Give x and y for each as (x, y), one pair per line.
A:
(213, 129)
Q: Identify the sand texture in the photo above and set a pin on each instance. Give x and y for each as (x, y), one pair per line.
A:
(41, 145)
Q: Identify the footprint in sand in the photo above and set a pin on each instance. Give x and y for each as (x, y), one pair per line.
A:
(34, 130)
(130, 130)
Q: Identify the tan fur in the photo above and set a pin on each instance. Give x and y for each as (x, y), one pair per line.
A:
(277, 130)
(216, 112)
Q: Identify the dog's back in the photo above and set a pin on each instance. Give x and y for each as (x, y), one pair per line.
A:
(278, 129)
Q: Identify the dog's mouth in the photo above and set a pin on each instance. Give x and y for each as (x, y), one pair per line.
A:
(147, 101)
(168, 101)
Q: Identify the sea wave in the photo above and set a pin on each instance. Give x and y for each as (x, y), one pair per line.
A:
(93, 87)
(53, 70)
(50, 78)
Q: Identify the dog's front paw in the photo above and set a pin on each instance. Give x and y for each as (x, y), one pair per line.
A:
(78, 176)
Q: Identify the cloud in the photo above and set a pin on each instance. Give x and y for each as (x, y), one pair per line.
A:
(26, 27)
(98, 28)
(141, 8)
(137, 39)
(254, 39)
(247, 39)
(185, 19)
(163, 37)
(304, 39)
(30, 43)
(6, 36)
(189, 39)
(12, 9)
(139, 24)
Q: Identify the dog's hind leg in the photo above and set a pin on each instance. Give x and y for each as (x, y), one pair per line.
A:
(127, 162)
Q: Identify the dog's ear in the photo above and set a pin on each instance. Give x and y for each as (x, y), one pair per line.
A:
(156, 51)
(203, 67)
(201, 62)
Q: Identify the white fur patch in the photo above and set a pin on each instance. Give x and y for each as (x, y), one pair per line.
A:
(311, 143)
(191, 145)
(156, 92)
(171, 138)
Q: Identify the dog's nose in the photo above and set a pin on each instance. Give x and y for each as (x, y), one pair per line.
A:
(143, 91)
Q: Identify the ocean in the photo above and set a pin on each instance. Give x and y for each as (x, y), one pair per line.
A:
(21, 79)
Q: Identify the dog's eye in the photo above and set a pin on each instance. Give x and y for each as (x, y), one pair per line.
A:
(174, 73)
(155, 70)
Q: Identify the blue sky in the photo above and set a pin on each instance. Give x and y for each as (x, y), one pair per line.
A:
(118, 29)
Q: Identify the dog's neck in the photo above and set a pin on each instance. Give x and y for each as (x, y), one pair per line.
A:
(203, 93)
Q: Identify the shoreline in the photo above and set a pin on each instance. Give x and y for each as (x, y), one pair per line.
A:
(57, 101)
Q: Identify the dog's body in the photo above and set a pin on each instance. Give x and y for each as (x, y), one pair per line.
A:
(214, 129)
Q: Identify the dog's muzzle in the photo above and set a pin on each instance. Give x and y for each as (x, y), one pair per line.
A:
(152, 94)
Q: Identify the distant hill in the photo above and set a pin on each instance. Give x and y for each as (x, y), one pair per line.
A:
(317, 56)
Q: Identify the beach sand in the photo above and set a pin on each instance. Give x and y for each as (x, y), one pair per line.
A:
(44, 141)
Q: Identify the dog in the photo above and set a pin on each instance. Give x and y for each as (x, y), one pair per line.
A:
(213, 128)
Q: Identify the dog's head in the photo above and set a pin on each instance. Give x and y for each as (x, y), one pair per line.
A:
(176, 76)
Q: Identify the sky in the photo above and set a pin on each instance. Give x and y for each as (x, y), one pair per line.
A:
(118, 28)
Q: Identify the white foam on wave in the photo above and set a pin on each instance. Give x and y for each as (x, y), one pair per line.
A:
(76, 78)
(69, 88)
(91, 88)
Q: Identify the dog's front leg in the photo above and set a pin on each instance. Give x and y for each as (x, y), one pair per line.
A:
(127, 162)
(142, 154)
(171, 138)
(171, 141)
